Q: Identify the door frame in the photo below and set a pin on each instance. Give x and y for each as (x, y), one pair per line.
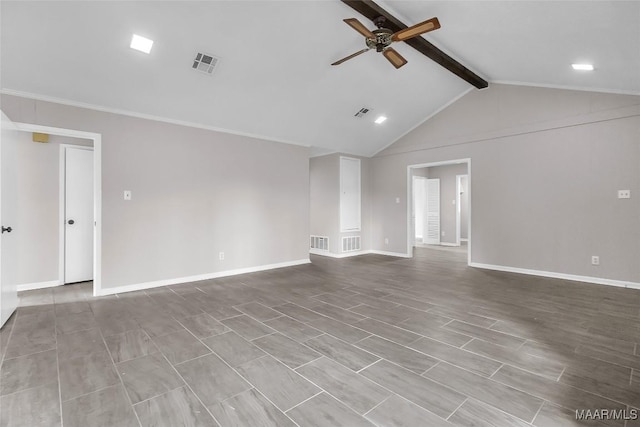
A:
(413, 209)
(458, 198)
(97, 194)
(62, 256)
(410, 238)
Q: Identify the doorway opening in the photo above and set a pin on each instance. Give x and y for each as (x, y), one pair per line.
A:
(83, 151)
(438, 206)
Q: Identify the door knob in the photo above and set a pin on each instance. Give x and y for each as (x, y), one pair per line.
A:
(7, 229)
(71, 222)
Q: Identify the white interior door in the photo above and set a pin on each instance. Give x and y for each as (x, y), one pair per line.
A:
(432, 211)
(419, 197)
(79, 220)
(8, 287)
(350, 194)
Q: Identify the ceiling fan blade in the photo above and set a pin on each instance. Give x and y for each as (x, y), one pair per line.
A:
(353, 55)
(370, 10)
(394, 57)
(416, 30)
(359, 27)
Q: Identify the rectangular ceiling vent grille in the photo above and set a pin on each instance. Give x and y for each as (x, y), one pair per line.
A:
(320, 243)
(205, 63)
(350, 243)
(362, 112)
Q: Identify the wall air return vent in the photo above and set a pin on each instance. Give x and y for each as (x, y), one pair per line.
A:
(362, 112)
(350, 243)
(205, 63)
(320, 243)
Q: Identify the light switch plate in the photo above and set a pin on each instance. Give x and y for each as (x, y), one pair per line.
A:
(624, 194)
(127, 194)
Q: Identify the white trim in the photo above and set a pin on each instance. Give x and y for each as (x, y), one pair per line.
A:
(97, 189)
(458, 213)
(448, 244)
(38, 285)
(143, 116)
(421, 122)
(365, 252)
(410, 238)
(577, 88)
(62, 202)
(554, 275)
(179, 280)
(340, 255)
(359, 228)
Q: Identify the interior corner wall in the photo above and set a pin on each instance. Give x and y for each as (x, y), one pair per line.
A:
(324, 189)
(195, 193)
(546, 165)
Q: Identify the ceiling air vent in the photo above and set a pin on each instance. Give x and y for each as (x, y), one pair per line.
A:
(205, 63)
(362, 112)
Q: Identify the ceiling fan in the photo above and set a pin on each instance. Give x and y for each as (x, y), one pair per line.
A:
(381, 38)
(371, 10)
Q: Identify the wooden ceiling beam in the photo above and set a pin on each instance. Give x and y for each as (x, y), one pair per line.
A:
(371, 10)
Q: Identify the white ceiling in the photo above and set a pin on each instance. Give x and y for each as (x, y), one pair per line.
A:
(274, 80)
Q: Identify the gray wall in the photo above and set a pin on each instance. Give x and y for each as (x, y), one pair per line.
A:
(324, 196)
(546, 167)
(31, 203)
(195, 193)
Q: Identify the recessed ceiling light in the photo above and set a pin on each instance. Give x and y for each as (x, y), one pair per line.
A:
(140, 43)
(582, 67)
(380, 119)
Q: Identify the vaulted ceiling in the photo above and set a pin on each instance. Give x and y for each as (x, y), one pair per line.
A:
(274, 78)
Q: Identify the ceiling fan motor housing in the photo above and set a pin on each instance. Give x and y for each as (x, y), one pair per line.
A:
(381, 41)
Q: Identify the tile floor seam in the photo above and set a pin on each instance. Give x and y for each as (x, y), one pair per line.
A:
(491, 330)
(378, 404)
(488, 379)
(55, 323)
(369, 365)
(124, 388)
(186, 384)
(322, 389)
(307, 363)
(32, 354)
(459, 406)
(544, 401)
(241, 376)
(564, 384)
(306, 400)
(561, 373)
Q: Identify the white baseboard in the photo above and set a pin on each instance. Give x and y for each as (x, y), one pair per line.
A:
(38, 285)
(178, 280)
(449, 244)
(464, 240)
(341, 255)
(554, 275)
(358, 253)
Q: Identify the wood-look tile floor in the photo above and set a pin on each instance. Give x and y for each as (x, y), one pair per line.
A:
(364, 341)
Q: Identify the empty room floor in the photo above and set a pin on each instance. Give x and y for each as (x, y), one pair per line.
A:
(369, 340)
